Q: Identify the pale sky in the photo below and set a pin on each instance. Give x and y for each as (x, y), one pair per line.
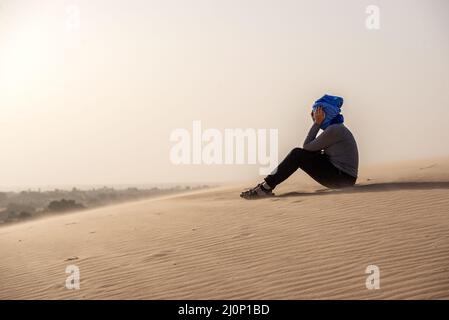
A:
(95, 103)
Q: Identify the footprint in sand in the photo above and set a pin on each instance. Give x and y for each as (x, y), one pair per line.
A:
(158, 255)
(428, 167)
(72, 258)
(243, 235)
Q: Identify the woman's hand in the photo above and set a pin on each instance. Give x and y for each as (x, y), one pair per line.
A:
(318, 115)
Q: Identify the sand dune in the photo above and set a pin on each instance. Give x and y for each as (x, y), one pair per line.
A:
(306, 243)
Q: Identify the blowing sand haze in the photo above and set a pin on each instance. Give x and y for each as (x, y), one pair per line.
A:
(306, 243)
(234, 158)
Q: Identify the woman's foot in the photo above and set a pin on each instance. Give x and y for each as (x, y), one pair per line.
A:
(262, 190)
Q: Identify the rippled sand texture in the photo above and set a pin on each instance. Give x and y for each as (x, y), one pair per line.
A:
(306, 243)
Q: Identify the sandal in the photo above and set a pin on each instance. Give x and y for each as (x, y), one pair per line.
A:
(257, 192)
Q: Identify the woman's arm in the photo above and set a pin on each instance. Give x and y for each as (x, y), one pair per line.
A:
(312, 133)
(327, 138)
(324, 140)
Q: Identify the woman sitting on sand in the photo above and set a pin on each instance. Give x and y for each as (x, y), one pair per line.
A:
(331, 159)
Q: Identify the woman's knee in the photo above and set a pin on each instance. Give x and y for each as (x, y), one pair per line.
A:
(298, 153)
(302, 156)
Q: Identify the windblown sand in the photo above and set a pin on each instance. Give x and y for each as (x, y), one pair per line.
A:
(306, 243)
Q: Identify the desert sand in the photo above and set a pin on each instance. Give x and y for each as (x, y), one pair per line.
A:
(306, 243)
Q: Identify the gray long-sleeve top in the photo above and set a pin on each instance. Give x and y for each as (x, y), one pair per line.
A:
(338, 143)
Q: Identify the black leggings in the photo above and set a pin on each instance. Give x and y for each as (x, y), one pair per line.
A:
(316, 165)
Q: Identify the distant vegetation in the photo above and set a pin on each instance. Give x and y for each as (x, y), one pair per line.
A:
(64, 205)
(18, 206)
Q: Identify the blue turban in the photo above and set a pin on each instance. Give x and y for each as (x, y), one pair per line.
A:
(331, 106)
